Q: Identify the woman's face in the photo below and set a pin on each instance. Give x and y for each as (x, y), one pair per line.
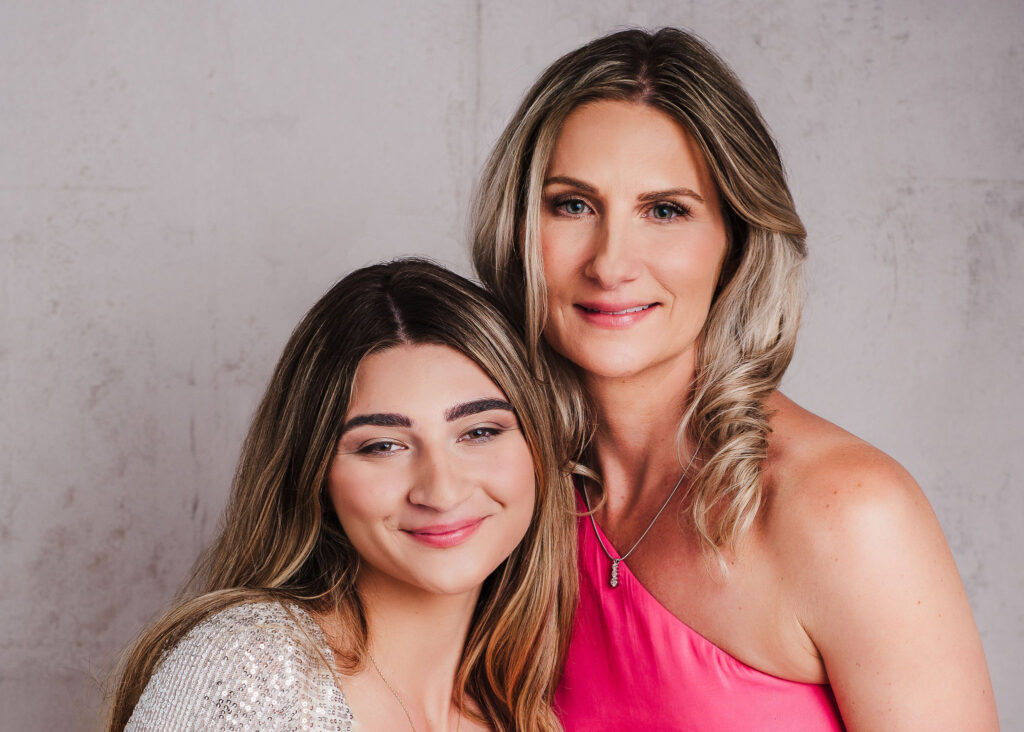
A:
(432, 480)
(633, 241)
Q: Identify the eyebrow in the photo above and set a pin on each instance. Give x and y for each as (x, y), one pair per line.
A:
(669, 192)
(390, 419)
(377, 420)
(475, 407)
(565, 180)
(645, 197)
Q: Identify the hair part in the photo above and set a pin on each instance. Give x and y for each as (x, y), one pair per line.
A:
(748, 339)
(281, 538)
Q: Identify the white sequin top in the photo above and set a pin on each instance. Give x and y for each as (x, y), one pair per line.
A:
(250, 667)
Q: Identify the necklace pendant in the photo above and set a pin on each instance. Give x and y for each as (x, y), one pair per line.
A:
(614, 579)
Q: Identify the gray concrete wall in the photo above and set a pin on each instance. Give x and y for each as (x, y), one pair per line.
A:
(179, 181)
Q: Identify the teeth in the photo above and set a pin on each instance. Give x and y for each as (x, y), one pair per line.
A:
(637, 309)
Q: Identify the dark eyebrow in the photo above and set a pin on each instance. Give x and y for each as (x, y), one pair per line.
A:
(475, 407)
(570, 182)
(669, 192)
(377, 420)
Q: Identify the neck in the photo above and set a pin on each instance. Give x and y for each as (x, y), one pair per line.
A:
(638, 422)
(416, 639)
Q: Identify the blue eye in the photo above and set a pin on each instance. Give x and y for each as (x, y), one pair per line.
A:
(572, 206)
(665, 211)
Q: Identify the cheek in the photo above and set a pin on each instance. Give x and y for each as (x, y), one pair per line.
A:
(560, 266)
(696, 268)
(713, 249)
(558, 259)
(359, 509)
(518, 491)
(694, 281)
(505, 473)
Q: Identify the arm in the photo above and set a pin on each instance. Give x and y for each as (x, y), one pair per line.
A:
(879, 594)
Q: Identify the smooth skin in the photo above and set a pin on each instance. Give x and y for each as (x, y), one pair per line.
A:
(845, 577)
(433, 483)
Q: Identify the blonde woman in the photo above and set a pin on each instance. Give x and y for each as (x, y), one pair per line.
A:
(398, 549)
(746, 565)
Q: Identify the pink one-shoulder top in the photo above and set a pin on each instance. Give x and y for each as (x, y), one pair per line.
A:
(633, 665)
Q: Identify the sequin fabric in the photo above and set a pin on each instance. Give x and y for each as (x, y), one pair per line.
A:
(250, 667)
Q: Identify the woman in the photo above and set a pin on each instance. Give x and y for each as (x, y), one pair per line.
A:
(398, 549)
(746, 564)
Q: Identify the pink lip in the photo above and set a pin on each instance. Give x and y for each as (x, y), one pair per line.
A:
(445, 535)
(614, 314)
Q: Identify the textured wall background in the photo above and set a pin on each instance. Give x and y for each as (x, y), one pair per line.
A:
(180, 181)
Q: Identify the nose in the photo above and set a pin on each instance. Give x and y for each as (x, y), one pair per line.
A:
(613, 257)
(439, 482)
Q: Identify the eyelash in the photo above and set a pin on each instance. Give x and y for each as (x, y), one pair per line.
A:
(371, 449)
(559, 203)
(491, 433)
(677, 210)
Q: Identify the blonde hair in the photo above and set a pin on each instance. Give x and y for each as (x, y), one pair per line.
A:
(749, 336)
(282, 539)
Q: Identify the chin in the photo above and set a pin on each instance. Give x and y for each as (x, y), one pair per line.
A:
(609, 363)
(447, 577)
(451, 585)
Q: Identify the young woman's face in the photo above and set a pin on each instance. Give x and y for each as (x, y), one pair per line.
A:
(432, 480)
(633, 240)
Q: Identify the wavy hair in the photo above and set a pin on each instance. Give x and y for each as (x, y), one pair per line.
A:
(282, 539)
(748, 339)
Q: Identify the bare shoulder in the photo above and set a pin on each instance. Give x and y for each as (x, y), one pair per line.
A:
(825, 483)
(837, 508)
(866, 571)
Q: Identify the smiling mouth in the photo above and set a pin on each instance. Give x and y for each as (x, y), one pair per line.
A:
(614, 315)
(445, 536)
(637, 309)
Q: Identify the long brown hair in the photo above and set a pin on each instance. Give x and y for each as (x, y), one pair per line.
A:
(281, 537)
(748, 339)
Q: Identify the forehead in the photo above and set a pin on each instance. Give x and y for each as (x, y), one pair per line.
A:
(613, 139)
(423, 378)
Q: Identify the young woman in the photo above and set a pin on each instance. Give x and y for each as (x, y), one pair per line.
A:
(746, 565)
(398, 552)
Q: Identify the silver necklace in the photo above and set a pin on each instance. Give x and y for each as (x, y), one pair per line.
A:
(613, 578)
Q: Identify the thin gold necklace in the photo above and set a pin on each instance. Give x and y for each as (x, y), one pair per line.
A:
(393, 690)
